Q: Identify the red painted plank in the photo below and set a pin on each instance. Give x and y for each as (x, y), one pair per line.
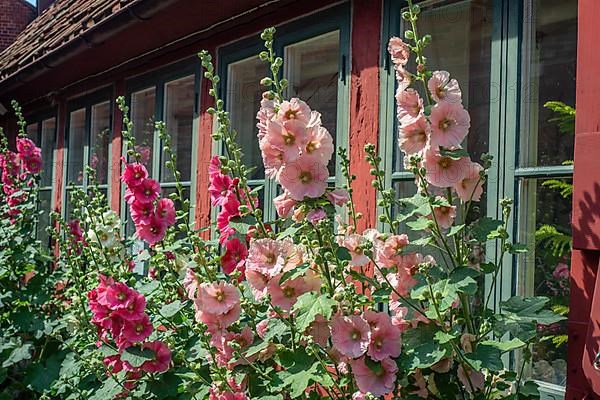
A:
(59, 159)
(116, 149)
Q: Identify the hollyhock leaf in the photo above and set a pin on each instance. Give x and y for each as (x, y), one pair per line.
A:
(343, 254)
(464, 279)
(107, 351)
(420, 224)
(381, 295)
(480, 230)
(309, 305)
(143, 256)
(241, 225)
(520, 316)
(18, 354)
(420, 348)
(294, 273)
(257, 348)
(505, 346)
(411, 206)
(169, 310)
(455, 229)
(289, 231)
(487, 268)
(110, 388)
(485, 357)
(300, 370)
(529, 390)
(444, 337)
(137, 356)
(518, 248)
(149, 287)
(40, 376)
(455, 154)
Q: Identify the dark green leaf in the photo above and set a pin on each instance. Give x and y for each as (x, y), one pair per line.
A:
(480, 230)
(136, 356)
(309, 305)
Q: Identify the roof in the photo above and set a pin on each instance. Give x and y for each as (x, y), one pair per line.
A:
(57, 26)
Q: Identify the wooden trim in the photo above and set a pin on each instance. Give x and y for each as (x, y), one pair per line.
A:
(115, 150)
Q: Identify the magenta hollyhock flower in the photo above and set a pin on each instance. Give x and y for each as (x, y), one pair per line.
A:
(561, 271)
(135, 307)
(33, 163)
(137, 330)
(162, 357)
(350, 335)
(385, 337)
(220, 188)
(134, 174)
(141, 213)
(234, 257)
(113, 363)
(165, 211)
(413, 136)
(442, 88)
(214, 167)
(471, 186)
(378, 383)
(294, 109)
(305, 177)
(264, 256)
(152, 232)
(450, 123)
(409, 106)
(229, 210)
(284, 205)
(319, 144)
(147, 191)
(444, 171)
(286, 294)
(26, 147)
(218, 297)
(118, 296)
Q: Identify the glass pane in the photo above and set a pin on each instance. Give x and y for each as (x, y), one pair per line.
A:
(32, 132)
(179, 116)
(76, 146)
(550, 63)
(142, 116)
(47, 144)
(244, 93)
(100, 140)
(312, 70)
(545, 218)
(44, 219)
(461, 33)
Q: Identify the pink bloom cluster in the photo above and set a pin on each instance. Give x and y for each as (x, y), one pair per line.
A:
(151, 215)
(295, 147)
(17, 169)
(119, 313)
(433, 136)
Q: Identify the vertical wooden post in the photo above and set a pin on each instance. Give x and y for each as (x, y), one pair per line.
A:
(583, 379)
(59, 160)
(116, 149)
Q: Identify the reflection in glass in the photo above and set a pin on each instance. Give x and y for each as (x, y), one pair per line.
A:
(461, 32)
(48, 140)
(179, 115)
(312, 71)
(45, 198)
(100, 140)
(243, 101)
(545, 227)
(551, 58)
(76, 145)
(142, 116)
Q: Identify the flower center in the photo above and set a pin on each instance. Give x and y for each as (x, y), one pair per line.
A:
(445, 162)
(289, 291)
(139, 328)
(147, 192)
(311, 146)
(121, 296)
(355, 335)
(137, 175)
(220, 295)
(305, 177)
(290, 114)
(441, 92)
(289, 139)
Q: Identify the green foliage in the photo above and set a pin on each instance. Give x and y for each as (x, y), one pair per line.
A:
(564, 116)
(564, 188)
(557, 242)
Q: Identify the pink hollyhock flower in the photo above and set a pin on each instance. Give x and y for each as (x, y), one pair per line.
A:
(26, 147)
(339, 197)
(286, 294)
(444, 171)
(190, 283)
(443, 88)
(147, 191)
(272, 158)
(218, 323)
(385, 337)
(450, 123)
(402, 282)
(399, 316)
(409, 106)
(234, 257)
(141, 213)
(561, 271)
(219, 189)
(319, 330)
(284, 205)
(265, 113)
(137, 330)
(394, 244)
(152, 232)
(265, 257)
(258, 283)
(314, 216)
(306, 177)
(471, 186)
(319, 144)
(161, 359)
(262, 328)
(218, 297)
(135, 306)
(117, 296)
(377, 383)
(413, 135)
(294, 109)
(288, 137)
(113, 363)
(353, 243)
(165, 211)
(350, 335)
(445, 215)
(134, 174)
(399, 51)
(359, 396)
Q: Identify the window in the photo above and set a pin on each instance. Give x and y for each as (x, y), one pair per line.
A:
(88, 144)
(315, 67)
(44, 134)
(544, 173)
(169, 95)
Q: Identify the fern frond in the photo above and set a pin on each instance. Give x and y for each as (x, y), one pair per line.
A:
(564, 116)
(564, 188)
(560, 243)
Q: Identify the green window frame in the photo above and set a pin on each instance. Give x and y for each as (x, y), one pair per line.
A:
(73, 162)
(508, 121)
(290, 34)
(158, 81)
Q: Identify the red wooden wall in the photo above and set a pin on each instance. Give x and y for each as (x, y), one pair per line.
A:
(583, 379)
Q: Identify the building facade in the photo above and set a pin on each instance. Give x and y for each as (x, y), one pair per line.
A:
(511, 57)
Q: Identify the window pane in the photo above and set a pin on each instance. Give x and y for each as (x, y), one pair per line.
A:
(47, 145)
(312, 71)
(243, 101)
(142, 116)
(551, 57)
(100, 140)
(76, 146)
(32, 132)
(545, 215)
(44, 219)
(461, 33)
(179, 115)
